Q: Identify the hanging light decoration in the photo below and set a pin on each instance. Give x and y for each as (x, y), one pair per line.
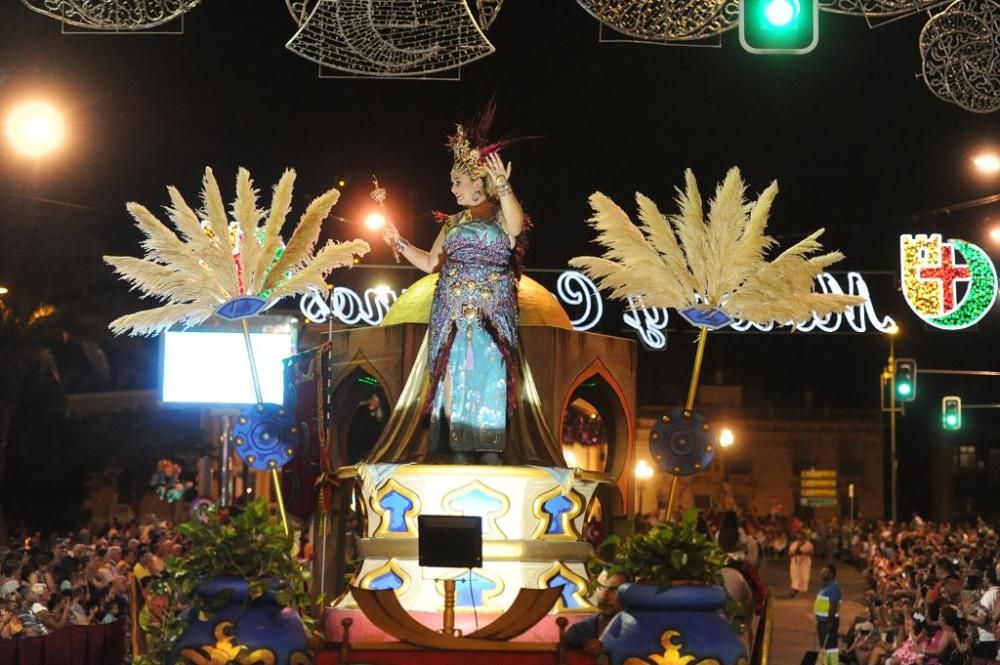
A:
(113, 15)
(385, 38)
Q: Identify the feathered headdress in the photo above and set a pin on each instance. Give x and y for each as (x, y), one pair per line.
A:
(470, 144)
(232, 268)
(689, 262)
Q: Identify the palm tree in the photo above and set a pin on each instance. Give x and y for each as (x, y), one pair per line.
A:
(25, 348)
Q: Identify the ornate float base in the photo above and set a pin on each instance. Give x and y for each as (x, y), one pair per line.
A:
(532, 519)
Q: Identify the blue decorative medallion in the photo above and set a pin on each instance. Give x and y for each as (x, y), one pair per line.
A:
(265, 436)
(241, 308)
(701, 316)
(681, 443)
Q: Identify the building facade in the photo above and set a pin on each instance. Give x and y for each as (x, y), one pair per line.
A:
(761, 471)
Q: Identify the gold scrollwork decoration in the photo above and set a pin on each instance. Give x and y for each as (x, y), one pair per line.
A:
(390, 566)
(390, 524)
(557, 526)
(579, 596)
(672, 654)
(224, 652)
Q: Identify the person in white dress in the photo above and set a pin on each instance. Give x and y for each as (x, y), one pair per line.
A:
(800, 554)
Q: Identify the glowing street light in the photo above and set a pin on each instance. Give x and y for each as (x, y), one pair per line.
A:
(35, 129)
(726, 438)
(995, 234)
(375, 221)
(4, 290)
(643, 472)
(987, 163)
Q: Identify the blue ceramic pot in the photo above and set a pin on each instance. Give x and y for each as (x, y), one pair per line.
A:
(671, 624)
(272, 633)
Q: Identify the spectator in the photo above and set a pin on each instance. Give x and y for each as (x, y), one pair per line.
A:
(593, 626)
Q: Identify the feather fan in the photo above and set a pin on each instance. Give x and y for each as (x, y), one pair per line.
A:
(206, 264)
(720, 261)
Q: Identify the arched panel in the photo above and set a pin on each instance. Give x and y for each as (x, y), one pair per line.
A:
(359, 406)
(597, 386)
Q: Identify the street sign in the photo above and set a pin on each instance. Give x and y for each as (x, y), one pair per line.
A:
(818, 487)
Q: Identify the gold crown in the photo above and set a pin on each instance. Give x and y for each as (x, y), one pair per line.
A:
(467, 158)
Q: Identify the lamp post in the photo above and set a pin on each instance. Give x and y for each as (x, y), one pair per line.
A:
(643, 472)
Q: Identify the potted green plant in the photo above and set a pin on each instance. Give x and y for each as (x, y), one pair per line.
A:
(235, 592)
(673, 606)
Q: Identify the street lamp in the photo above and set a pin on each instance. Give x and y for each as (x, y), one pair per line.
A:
(35, 128)
(643, 472)
(726, 439)
(987, 162)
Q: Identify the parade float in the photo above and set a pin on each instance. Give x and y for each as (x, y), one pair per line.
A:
(534, 516)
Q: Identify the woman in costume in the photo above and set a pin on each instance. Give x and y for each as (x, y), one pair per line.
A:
(473, 332)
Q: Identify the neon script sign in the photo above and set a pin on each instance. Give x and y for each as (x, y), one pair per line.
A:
(931, 275)
(582, 298)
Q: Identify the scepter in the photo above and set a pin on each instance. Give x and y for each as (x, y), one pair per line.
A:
(379, 195)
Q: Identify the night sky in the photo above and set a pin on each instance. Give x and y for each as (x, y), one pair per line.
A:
(857, 142)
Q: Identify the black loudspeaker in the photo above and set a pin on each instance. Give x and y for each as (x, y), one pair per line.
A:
(450, 541)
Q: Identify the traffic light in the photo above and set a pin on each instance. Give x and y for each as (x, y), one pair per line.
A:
(779, 26)
(905, 374)
(951, 412)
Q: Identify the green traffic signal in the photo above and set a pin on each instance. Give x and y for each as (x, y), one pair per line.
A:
(951, 412)
(905, 379)
(779, 26)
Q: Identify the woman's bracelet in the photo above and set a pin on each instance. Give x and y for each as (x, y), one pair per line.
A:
(503, 187)
(400, 244)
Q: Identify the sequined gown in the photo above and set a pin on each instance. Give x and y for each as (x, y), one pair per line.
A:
(473, 338)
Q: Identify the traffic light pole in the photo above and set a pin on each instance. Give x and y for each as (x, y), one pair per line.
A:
(892, 423)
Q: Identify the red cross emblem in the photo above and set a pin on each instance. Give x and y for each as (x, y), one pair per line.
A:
(949, 274)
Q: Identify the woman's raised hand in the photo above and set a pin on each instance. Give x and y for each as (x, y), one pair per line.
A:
(390, 234)
(495, 167)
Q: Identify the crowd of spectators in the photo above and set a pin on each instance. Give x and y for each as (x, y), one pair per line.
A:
(931, 594)
(931, 590)
(80, 579)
